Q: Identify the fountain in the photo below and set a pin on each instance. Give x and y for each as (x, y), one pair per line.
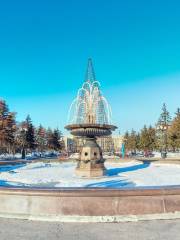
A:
(49, 191)
(90, 117)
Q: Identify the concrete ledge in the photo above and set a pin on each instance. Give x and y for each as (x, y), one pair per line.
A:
(78, 204)
(95, 219)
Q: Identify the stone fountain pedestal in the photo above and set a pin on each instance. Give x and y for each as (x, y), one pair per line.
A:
(91, 162)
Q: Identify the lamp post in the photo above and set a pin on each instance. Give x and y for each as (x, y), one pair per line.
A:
(123, 147)
(21, 139)
(162, 128)
(23, 131)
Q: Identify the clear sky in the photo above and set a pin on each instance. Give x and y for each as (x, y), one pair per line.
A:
(135, 47)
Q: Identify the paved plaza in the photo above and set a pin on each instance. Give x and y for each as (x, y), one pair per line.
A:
(147, 230)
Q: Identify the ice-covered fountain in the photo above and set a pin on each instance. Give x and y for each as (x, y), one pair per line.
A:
(90, 117)
(49, 191)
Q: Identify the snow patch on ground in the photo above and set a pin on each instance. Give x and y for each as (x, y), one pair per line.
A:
(119, 175)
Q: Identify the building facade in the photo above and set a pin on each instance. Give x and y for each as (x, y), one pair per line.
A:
(111, 144)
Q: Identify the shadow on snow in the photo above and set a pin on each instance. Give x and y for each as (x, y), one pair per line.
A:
(10, 168)
(118, 183)
(115, 171)
(112, 184)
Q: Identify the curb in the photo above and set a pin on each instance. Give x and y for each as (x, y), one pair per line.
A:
(94, 219)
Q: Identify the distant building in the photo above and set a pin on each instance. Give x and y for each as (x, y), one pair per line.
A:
(70, 145)
(117, 141)
(107, 144)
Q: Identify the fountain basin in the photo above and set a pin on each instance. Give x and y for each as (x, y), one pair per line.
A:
(131, 191)
(90, 205)
(127, 174)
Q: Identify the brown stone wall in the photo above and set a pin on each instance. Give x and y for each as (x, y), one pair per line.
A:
(88, 202)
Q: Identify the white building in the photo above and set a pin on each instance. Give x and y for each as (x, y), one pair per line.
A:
(108, 144)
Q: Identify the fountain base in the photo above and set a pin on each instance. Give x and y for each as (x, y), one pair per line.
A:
(90, 173)
(91, 162)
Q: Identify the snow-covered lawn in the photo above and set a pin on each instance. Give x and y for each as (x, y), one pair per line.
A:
(170, 155)
(119, 175)
(29, 156)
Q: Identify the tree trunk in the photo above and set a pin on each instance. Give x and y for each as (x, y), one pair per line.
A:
(23, 153)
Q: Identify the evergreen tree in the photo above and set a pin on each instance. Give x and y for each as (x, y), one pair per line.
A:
(56, 139)
(152, 138)
(174, 132)
(177, 113)
(7, 127)
(30, 134)
(49, 137)
(162, 130)
(144, 139)
(138, 146)
(4, 109)
(20, 138)
(41, 140)
(126, 141)
(10, 130)
(24, 136)
(3, 115)
(133, 141)
(165, 118)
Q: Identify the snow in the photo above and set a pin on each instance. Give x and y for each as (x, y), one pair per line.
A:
(169, 155)
(10, 156)
(119, 175)
(29, 156)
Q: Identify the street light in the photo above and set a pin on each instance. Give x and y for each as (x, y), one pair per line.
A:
(123, 148)
(21, 139)
(162, 127)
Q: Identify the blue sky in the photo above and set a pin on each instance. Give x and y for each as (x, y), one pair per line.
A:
(135, 47)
